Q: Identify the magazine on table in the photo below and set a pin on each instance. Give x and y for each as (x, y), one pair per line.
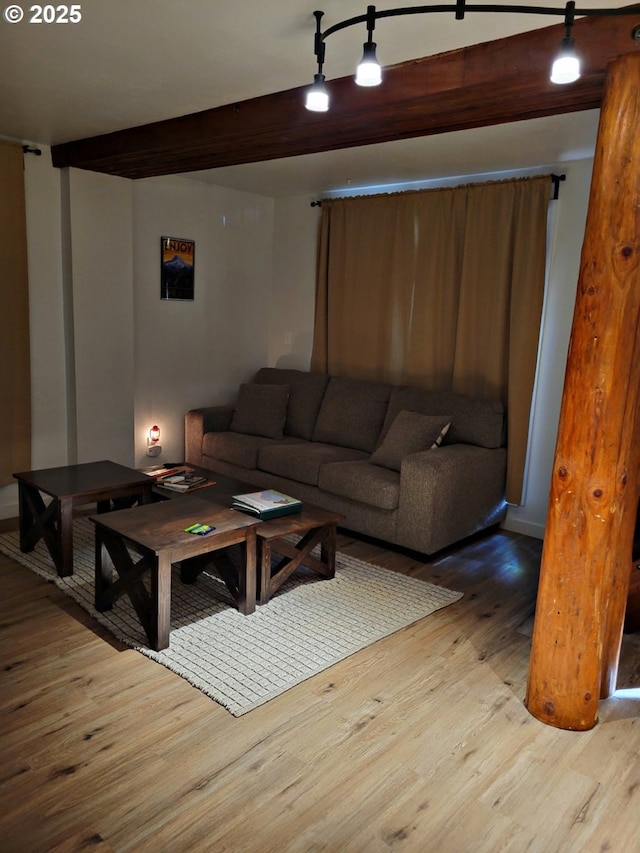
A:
(266, 504)
(159, 472)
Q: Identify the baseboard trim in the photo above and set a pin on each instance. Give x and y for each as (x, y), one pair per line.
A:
(527, 528)
(9, 510)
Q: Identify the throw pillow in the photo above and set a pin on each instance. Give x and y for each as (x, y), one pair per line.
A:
(410, 432)
(261, 410)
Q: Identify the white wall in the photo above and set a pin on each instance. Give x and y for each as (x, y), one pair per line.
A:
(101, 216)
(195, 353)
(46, 313)
(292, 307)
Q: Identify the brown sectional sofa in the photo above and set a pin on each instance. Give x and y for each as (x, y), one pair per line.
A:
(380, 454)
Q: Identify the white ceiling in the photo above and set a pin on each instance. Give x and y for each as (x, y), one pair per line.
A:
(129, 62)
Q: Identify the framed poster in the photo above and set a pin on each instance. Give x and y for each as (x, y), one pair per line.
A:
(177, 268)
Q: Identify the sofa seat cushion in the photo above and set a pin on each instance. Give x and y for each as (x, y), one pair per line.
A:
(306, 390)
(352, 413)
(302, 461)
(238, 449)
(410, 433)
(261, 410)
(361, 481)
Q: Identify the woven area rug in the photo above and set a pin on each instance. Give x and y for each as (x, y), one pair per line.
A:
(244, 661)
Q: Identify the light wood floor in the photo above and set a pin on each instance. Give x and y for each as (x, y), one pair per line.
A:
(419, 743)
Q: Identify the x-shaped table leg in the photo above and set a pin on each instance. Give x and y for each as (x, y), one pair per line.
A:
(154, 607)
(271, 579)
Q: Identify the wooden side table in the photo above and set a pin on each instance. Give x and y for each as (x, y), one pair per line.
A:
(70, 486)
(315, 526)
(157, 534)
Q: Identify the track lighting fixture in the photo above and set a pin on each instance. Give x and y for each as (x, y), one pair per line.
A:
(368, 72)
(565, 69)
(566, 65)
(317, 95)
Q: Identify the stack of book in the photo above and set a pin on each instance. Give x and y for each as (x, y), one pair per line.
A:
(267, 504)
(179, 479)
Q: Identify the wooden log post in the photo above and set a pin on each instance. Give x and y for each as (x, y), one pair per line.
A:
(594, 485)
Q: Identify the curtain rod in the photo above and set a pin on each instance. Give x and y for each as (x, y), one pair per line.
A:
(555, 180)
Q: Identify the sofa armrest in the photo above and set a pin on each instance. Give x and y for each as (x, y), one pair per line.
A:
(197, 422)
(449, 493)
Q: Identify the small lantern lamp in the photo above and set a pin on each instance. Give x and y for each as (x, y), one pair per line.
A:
(153, 442)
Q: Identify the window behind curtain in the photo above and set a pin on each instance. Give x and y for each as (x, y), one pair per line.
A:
(15, 375)
(440, 288)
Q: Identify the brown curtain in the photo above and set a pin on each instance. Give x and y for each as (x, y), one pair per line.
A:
(442, 289)
(15, 382)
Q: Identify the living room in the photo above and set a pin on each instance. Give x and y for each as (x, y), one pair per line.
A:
(134, 360)
(108, 355)
(109, 359)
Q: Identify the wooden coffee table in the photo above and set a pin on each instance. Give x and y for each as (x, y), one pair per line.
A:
(313, 525)
(70, 486)
(156, 533)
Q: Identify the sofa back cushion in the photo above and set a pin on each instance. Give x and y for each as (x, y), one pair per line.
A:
(306, 390)
(352, 413)
(260, 410)
(410, 433)
(479, 422)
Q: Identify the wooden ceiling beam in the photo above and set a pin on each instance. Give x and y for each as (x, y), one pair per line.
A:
(491, 83)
